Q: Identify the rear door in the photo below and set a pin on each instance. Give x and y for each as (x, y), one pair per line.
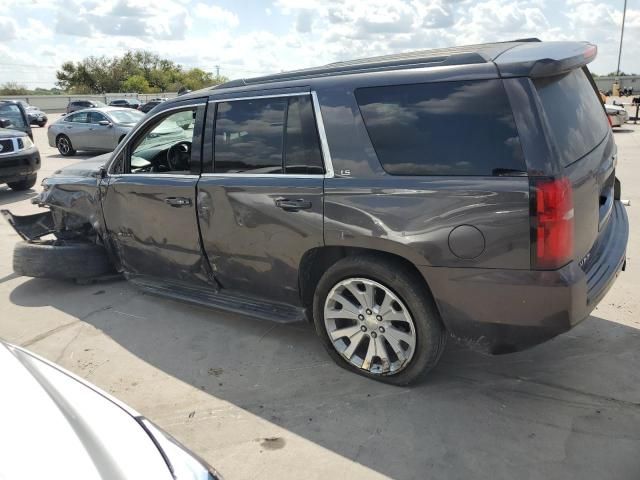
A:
(583, 144)
(149, 201)
(260, 200)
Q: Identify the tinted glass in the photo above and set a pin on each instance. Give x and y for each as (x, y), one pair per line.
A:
(249, 136)
(82, 117)
(302, 147)
(95, 117)
(574, 112)
(12, 112)
(449, 128)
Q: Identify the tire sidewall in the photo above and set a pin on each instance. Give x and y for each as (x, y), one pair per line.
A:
(430, 334)
(70, 151)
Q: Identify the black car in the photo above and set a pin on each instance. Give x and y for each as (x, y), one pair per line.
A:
(125, 102)
(392, 201)
(146, 108)
(75, 105)
(35, 115)
(19, 157)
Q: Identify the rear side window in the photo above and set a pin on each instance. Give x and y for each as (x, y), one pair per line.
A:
(574, 114)
(271, 135)
(447, 128)
(302, 149)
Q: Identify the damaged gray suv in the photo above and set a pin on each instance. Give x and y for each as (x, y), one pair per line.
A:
(392, 201)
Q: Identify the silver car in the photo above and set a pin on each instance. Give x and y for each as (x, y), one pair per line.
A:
(92, 129)
(56, 425)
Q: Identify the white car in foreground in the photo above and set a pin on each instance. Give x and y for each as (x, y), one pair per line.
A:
(57, 426)
(617, 114)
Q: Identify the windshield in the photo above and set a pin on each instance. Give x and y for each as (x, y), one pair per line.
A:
(126, 116)
(14, 114)
(574, 112)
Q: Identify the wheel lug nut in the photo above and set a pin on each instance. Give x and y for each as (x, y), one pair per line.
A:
(363, 328)
(360, 317)
(379, 318)
(368, 312)
(381, 329)
(374, 334)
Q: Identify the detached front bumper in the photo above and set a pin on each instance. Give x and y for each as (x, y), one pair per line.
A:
(503, 311)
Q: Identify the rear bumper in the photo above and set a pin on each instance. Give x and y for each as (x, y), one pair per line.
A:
(504, 311)
(17, 167)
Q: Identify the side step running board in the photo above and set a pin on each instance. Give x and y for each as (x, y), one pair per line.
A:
(222, 300)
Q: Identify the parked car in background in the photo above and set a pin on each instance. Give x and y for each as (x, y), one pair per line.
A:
(78, 431)
(125, 102)
(75, 105)
(35, 115)
(92, 129)
(617, 114)
(146, 108)
(342, 194)
(17, 116)
(19, 157)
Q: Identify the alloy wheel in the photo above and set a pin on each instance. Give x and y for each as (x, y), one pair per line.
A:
(63, 145)
(370, 326)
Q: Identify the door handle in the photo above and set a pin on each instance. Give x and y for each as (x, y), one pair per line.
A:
(293, 205)
(178, 202)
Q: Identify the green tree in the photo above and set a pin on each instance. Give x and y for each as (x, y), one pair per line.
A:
(13, 88)
(136, 84)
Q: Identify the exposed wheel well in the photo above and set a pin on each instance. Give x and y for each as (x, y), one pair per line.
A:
(318, 260)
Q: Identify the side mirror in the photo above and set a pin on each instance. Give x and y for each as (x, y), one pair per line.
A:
(105, 123)
(5, 122)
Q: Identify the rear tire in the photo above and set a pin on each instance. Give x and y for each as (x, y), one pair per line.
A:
(65, 147)
(70, 261)
(414, 317)
(25, 184)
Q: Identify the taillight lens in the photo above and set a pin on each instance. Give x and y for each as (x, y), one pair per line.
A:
(552, 222)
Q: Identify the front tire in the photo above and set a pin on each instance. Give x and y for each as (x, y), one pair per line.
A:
(376, 318)
(25, 184)
(64, 146)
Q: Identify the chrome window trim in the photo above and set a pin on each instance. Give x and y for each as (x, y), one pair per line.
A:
(324, 144)
(140, 126)
(264, 175)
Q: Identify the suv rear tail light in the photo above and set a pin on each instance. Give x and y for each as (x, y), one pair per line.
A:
(552, 222)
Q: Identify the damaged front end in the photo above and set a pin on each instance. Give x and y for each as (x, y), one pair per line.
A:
(72, 197)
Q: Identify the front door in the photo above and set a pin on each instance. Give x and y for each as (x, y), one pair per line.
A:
(260, 204)
(149, 202)
(102, 137)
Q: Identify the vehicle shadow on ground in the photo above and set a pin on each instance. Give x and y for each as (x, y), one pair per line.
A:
(8, 196)
(568, 408)
(623, 130)
(77, 156)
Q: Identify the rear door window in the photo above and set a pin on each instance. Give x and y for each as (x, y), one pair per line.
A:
(447, 128)
(302, 146)
(574, 114)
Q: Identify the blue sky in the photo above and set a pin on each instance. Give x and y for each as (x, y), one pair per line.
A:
(249, 37)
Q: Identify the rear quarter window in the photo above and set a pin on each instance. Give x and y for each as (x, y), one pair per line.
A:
(577, 122)
(448, 128)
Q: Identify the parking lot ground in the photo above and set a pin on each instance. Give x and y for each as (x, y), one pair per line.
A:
(263, 400)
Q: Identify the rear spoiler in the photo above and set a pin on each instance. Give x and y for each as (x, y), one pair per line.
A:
(543, 59)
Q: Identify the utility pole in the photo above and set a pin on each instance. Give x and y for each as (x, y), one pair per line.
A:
(218, 66)
(624, 14)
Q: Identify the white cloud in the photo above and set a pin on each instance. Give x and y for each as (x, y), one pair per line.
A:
(218, 14)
